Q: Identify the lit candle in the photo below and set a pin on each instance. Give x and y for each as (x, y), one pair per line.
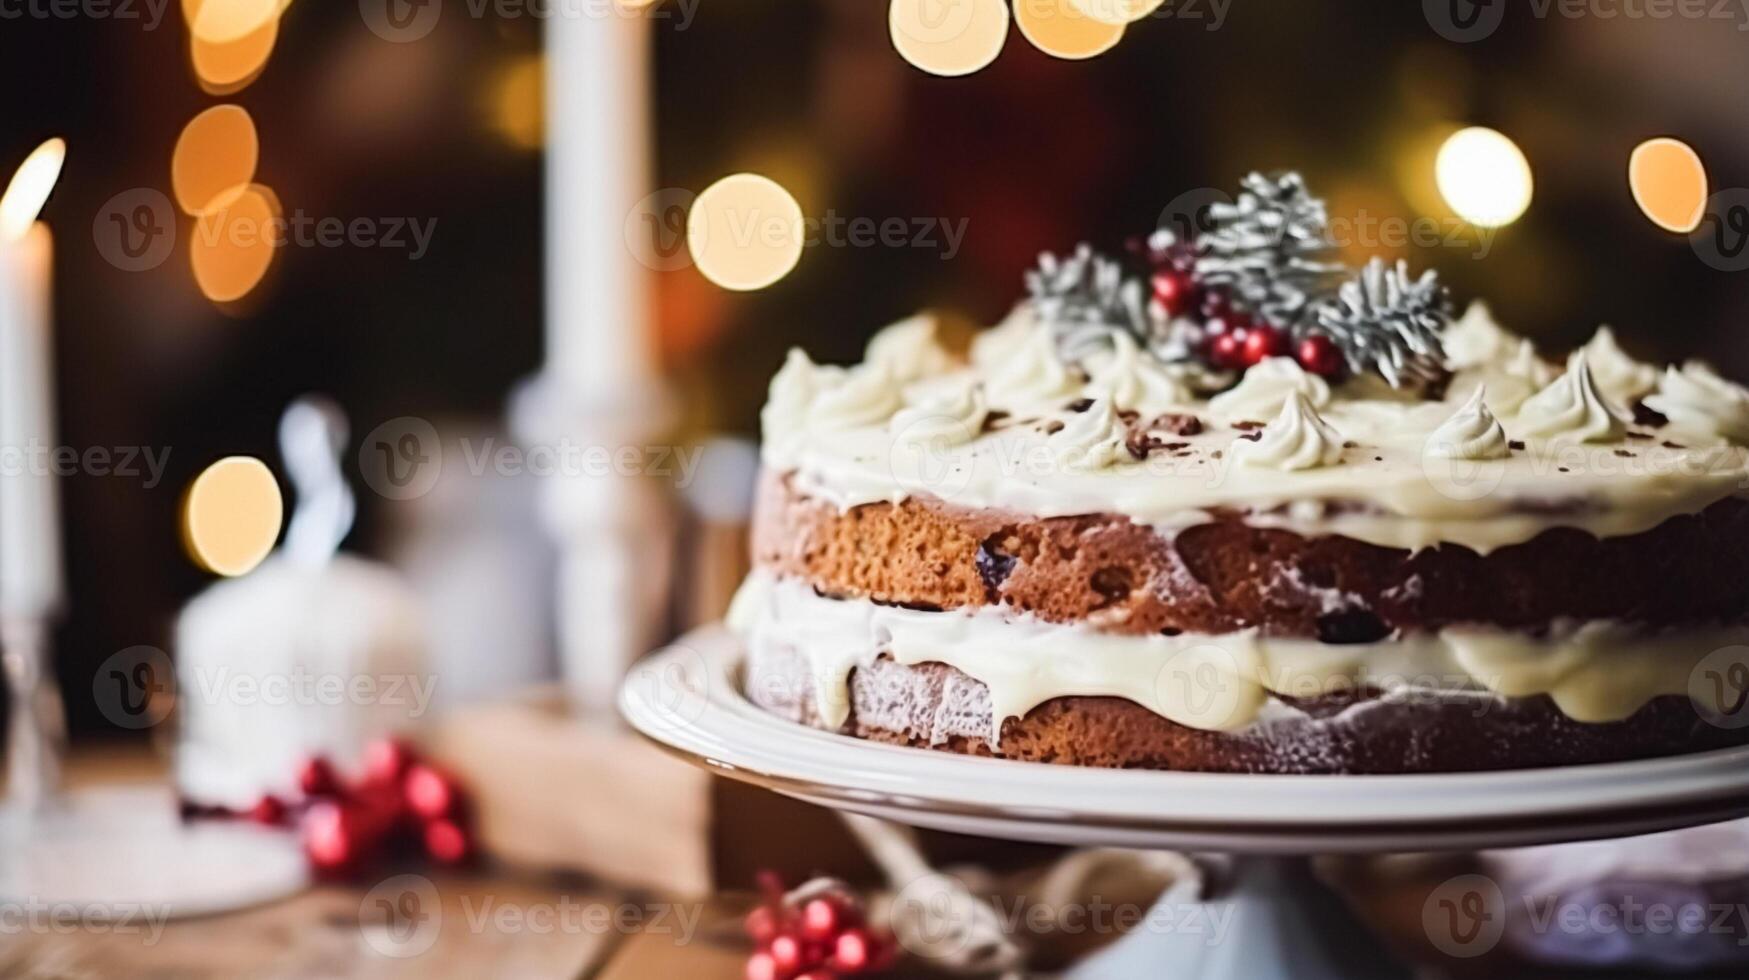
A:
(30, 544)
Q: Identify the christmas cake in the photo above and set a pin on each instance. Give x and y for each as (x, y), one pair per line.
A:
(1225, 505)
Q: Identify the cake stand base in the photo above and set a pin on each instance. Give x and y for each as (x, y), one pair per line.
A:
(1271, 920)
(125, 856)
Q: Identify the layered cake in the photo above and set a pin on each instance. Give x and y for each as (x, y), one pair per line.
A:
(1224, 505)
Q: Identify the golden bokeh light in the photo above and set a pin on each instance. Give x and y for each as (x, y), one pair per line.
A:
(745, 232)
(1117, 11)
(215, 158)
(225, 21)
(948, 37)
(224, 68)
(516, 104)
(1060, 29)
(1669, 183)
(1484, 177)
(232, 245)
(29, 188)
(232, 515)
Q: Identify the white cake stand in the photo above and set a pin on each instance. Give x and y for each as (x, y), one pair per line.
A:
(687, 698)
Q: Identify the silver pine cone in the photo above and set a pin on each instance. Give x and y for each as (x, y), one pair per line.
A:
(1384, 321)
(1084, 297)
(1270, 248)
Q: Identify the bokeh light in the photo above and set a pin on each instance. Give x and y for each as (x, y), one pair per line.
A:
(516, 105)
(948, 37)
(215, 158)
(1060, 29)
(1484, 177)
(1116, 11)
(1669, 183)
(745, 232)
(232, 245)
(232, 515)
(29, 189)
(225, 21)
(223, 68)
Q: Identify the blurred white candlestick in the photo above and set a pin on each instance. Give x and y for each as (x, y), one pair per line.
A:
(30, 545)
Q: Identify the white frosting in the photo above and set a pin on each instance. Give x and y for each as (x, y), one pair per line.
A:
(1297, 440)
(1032, 376)
(1700, 403)
(1618, 375)
(1132, 380)
(946, 419)
(909, 350)
(1472, 433)
(1598, 672)
(1265, 388)
(1571, 409)
(784, 418)
(1525, 364)
(1476, 340)
(1091, 440)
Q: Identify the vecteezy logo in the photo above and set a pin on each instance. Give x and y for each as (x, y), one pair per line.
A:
(135, 230)
(655, 230)
(677, 689)
(400, 21)
(402, 458)
(1464, 21)
(938, 21)
(1719, 687)
(402, 916)
(1722, 238)
(1204, 684)
(1187, 215)
(1465, 916)
(135, 688)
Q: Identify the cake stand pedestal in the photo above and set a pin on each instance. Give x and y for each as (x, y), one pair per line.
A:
(1279, 922)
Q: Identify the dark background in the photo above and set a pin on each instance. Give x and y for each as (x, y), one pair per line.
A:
(1036, 153)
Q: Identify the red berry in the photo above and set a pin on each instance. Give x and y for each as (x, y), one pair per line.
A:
(386, 760)
(761, 966)
(1263, 341)
(268, 811)
(331, 836)
(1174, 291)
(858, 949)
(1318, 354)
(429, 793)
(316, 778)
(1227, 350)
(1216, 304)
(822, 918)
(761, 925)
(786, 952)
(817, 975)
(447, 842)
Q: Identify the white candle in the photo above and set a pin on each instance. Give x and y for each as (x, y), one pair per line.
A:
(31, 585)
(599, 322)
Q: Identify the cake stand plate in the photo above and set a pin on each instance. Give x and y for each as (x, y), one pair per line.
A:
(687, 699)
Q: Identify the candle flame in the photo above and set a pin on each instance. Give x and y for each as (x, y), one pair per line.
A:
(29, 190)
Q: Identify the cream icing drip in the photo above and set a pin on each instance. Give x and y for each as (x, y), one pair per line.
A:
(1132, 381)
(1571, 409)
(1699, 402)
(1619, 376)
(1032, 376)
(1472, 433)
(946, 419)
(1265, 388)
(1091, 440)
(1298, 439)
(1596, 672)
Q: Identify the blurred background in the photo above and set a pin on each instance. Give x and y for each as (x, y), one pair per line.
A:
(1031, 153)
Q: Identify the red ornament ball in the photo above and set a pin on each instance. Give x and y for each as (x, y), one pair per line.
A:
(447, 842)
(1263, 341)
(1174, 291)
(786, 952)
(429, 793)
(316, 777)
(268, 811)
(331, 836)
(824, 918)
(386, 760)
(761, 925)
(1318, 354)
(1227, 350)
(857, 950)
(763, 966)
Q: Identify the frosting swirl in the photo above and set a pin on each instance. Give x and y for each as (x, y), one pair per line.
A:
(1298, 439)
(1033, 373)
(784, 419)
(1696, 399)
(1472, 433)
(1131, 380)
(853, 398)
(1476, 340)
(1091, 440)
(909, 349)
(1572, 408)
(948, 419)
(1618, 375)
(1266, 388)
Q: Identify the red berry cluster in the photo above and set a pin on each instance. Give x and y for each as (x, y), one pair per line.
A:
(1232, 339)
(399, 805)
(821, 935)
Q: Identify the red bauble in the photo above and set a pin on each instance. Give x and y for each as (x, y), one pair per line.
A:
(857, 950)
(824, 918)
(331, 836)
(762, 966)
(429, 793)
(1227, 350)
(786, 951)
(1215, 304)
(447, 842)
(817, 975)
(1319, 355)
(268, 811)
(1174, 291)
(1263, 341)
(316, 777)
(386, 760)
(761, 925)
